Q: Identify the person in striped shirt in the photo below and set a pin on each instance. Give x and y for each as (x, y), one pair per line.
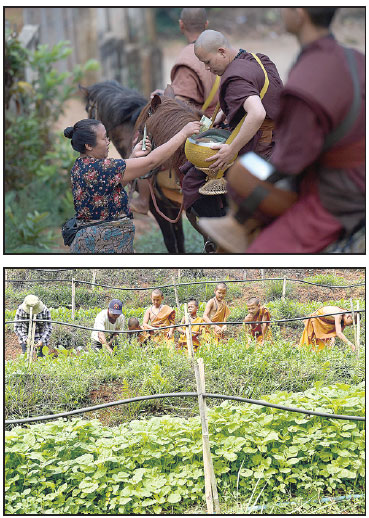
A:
(43, 323)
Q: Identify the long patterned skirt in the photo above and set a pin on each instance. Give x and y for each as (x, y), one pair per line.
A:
(113, 237)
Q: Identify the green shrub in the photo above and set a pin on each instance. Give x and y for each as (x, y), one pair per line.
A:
(155, 466)
(274, 289)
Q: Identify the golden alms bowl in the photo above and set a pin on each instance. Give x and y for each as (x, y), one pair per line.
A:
(198, 148)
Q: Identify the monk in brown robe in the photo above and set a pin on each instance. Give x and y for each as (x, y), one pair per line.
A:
(159, 315)
(321, 332)
(196, 330)
(216, 310)
(190, 82)
(257, 313)
(329, 169)
(134, 325)
(242, 81)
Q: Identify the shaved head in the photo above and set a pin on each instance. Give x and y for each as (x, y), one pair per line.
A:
(211, 41)
(254, 300)
(194, 18)
(157, 291)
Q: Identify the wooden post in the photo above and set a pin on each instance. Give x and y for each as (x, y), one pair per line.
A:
(211, 493)
(213, 481)
(358, 329)
(179, 275)
(284, 288)
(73, 298)
(353, 323)
(29, 335)
(32, 341)
(190, 351)
(176, 293)
(94, 271)
(262, 275)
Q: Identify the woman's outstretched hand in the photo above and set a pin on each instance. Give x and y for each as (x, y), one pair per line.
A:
(137, 151)
(191, 128)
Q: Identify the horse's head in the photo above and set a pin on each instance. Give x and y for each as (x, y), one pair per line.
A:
(164, 116)
(117, 108)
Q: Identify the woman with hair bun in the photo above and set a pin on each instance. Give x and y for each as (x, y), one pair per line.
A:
(100, 201)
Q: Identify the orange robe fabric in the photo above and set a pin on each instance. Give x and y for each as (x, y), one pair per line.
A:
(319, 331)
(255, 330)
(165, 317)
(182, 342)
(221, 315)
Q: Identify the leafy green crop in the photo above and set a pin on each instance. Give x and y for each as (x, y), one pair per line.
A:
(155, 466)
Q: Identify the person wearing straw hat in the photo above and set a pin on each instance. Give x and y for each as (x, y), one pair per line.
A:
(110, 319)
(43, 330)
(250, 84)
(320, 332)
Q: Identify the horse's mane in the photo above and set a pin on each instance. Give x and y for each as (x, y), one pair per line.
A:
(116, 104)
(168, 119)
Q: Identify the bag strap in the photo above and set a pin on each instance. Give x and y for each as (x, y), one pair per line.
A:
(344, 127)
(212, 92)
(263, 91)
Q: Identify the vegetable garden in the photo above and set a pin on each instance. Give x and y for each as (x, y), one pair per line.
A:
(146, 457)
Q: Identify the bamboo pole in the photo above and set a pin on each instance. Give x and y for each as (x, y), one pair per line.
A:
(189, 342)
(213, 481)
(358, 329)
(94, 271)
(32, 344)
(211, 495)
(176, 293)
(29, 334)
(73, 298)
(284, 288)
(262, 276)
(353, 323)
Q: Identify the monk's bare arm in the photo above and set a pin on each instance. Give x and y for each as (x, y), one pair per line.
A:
(208, 308)
(264, 326)
(339, 333)
(146, 320)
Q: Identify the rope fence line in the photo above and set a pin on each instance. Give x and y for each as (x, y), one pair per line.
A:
(186, 283)
(184, 394)
(184, 325)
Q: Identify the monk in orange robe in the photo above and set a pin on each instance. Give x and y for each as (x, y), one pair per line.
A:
(134, 325)
(216, 310)
(257, 313)
(321, 332)
(159, 315)
(196, 330)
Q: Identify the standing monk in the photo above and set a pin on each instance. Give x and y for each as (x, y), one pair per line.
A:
(190, 81)
(257, 313)
(159, 315)
(196, 330)
(216, 310)
(321, 140)
(320, 332)
(248, 85)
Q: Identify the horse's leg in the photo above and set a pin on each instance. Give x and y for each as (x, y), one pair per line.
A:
(167, 229)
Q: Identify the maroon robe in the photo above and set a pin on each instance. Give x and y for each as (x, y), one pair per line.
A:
(242, 78)
(317, 96)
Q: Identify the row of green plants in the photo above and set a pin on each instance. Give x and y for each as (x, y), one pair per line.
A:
(237, 368)
(155, 466)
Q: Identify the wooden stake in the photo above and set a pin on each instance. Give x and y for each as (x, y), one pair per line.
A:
(358, 329)
(32, 344)
(262, 275)
(353, 323)
(211, 494)
(29, 335)
(176, 293)
(94, 271)
(190, 351)
(73, 298)
(284, 288)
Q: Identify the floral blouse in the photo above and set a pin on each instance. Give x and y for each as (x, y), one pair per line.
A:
(97, 191)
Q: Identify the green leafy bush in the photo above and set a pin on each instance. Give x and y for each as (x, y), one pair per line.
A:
(155, 466)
